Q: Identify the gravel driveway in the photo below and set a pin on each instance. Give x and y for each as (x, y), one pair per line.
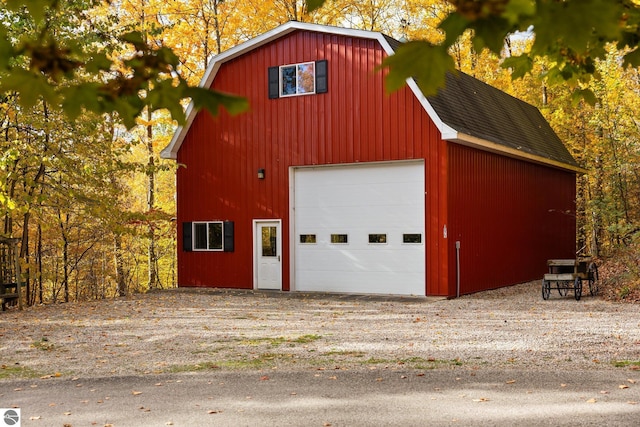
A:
(187, 330)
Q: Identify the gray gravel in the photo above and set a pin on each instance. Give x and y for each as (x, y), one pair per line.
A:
(239, 358)
(189, 330)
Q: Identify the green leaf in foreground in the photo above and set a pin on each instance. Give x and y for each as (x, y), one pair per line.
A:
(314, 4)
(520, 65)
(633, 58)
(75, 98)
(583, 94)
(426, 63)
(212, 101)
(31, 87)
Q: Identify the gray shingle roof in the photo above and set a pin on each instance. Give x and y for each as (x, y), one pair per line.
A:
(475, 108)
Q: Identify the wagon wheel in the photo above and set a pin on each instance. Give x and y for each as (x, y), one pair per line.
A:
(593, 278)
(577, 288)
(546, 289)
(562, 290)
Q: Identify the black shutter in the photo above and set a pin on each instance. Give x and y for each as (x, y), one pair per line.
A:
(227, 228)
(187, 236)
(322, 82)
(274, 82)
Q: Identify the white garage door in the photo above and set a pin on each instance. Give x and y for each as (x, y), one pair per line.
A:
(360, 228)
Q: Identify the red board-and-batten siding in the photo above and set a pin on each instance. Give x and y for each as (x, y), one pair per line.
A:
(356, 121)
(497, 206)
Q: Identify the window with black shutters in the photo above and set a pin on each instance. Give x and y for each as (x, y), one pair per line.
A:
(208, 236)
(304, 78)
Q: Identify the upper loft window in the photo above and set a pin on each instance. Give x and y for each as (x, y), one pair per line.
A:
(298, 79)
(304, 78)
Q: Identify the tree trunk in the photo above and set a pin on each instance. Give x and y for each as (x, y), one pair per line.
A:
(39, 265)
(119, 261)
(65, 254)
(151, 202)
(151, 181)
(596, 212)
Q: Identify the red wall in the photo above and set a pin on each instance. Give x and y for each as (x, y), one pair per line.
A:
(356, 121)
(510, 217)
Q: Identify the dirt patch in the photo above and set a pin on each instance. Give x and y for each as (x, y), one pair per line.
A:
(190, 330)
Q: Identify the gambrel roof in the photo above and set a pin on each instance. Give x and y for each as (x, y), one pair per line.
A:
(465, 111)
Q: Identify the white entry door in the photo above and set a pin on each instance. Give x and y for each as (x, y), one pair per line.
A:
(268, 248)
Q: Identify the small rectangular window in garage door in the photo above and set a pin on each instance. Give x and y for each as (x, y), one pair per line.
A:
(377, 238)
(412, 238)
(339, 238)
(307, 238)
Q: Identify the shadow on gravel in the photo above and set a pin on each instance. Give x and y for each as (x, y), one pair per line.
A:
(318, 296)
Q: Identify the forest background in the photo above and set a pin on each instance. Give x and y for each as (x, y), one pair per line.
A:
(94, 205)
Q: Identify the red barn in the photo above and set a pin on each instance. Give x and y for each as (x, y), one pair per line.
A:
(329, 184)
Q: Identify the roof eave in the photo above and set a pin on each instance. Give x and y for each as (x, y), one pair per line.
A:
(447, 132)
(483, 144)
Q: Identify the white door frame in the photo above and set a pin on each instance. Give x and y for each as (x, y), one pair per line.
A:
(257, 238)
